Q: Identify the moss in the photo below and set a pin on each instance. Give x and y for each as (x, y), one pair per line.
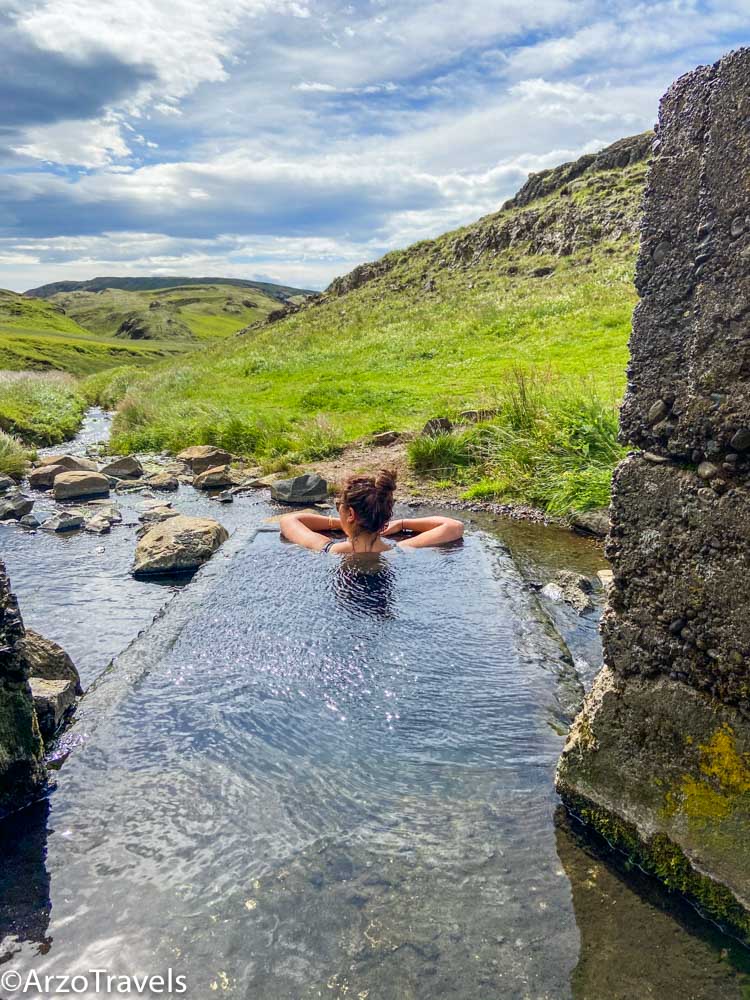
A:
(666, 861)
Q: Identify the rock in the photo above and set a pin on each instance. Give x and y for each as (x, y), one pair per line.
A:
(674, 794)
(203, 457)
(213, 479)
(53, 701)
(22, 773)
(127, 467)
(226, 497)
(707, 470)
(178, 545)
(572, 588)
(43, 478)
(657, 412)
(658, 760)
(308, 488)
(69, 462)
(385, 438)
(6, 483)
(29, 521)
(48, 660)
(163, 482)
(97, 525)
(594, 523)
(437, 425)
(14, 506)
(476, 416)
(61, 523)
(606, 578)
(106, 509)
(740, 440)
(74, 485)
(156, 513)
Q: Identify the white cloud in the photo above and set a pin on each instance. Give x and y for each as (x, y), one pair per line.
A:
(83, 143)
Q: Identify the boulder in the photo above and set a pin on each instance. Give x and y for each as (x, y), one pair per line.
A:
(61, 523)
(127, 467)
(98, 524)
(70, 462)
(437, 425)
(178, 545)
(594, 523)
(308, 488)
(214, 479)
(106, 509)
(43, 478)
(385, 438)
(157, 513)
(226, 496)
(202, 457)
(53, 701)
(14, 506)
(73, 485)
(6, 483)
(29, 521)
(164, 482)
(48, 660)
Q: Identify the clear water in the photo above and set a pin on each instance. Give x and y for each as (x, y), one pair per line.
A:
(321, 777)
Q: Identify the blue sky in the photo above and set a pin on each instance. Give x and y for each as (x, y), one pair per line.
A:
(293, 139)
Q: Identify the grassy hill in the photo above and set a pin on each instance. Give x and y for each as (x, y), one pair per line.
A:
(183, 312)
(524, 314)
(36, 335)
(282, 293)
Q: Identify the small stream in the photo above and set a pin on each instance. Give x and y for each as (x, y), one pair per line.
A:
(312, 777)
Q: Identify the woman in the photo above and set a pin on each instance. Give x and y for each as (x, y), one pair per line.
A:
(365, 506)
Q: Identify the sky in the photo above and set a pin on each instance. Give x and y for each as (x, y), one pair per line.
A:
(290, 140)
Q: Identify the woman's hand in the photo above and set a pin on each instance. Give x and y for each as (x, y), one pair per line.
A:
(393, 527)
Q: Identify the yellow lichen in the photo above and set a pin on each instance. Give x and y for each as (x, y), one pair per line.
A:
(726, 774)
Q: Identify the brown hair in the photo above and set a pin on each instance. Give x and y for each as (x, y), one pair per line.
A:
(371, 498)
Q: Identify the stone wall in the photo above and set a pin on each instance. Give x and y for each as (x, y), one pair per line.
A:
(659, 758)
(22, 774)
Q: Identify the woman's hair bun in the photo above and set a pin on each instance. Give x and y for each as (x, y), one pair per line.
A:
(385, 481)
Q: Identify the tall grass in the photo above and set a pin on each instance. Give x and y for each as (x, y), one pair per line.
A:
(40, 409)
(551, 443)
(13, 455)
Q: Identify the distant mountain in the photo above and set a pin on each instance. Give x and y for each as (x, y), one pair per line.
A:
(282, 293)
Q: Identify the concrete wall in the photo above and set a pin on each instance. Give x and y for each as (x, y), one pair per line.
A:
(659, 758)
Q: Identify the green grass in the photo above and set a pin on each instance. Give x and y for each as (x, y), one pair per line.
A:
(552, 443)
(35, 335)
(13, 455)
(39, 409)
(444, 326)
(183, 312)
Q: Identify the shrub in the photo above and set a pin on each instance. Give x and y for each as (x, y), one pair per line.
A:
(40, 409)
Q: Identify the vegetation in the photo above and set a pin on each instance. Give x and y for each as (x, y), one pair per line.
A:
(40, 409)
(13, 455)
(36, 335)
(525, 313)
(549, 443)
(186, 312)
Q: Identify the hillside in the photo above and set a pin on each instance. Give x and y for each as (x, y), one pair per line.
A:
(525, 314)
(281, 293)
(38, 336)
(183, 312)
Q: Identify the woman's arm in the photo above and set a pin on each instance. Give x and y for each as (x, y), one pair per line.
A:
(305, 529)
(427, 530)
